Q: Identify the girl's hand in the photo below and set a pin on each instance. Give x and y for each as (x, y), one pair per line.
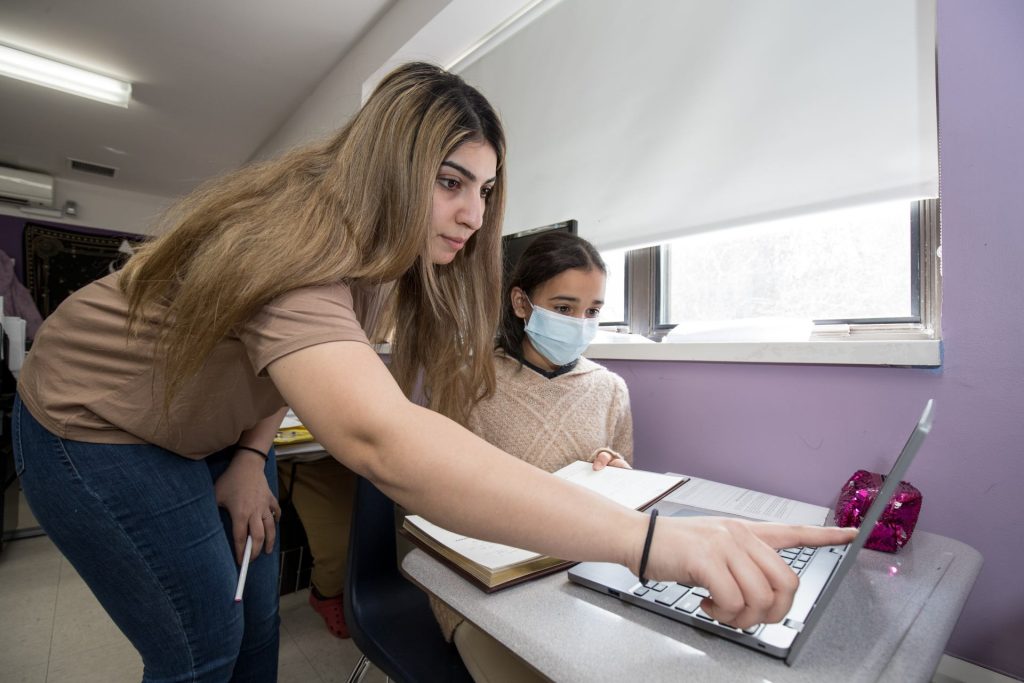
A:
(243, 491)
(605, 457)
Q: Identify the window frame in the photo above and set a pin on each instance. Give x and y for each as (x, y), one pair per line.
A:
(914, 340)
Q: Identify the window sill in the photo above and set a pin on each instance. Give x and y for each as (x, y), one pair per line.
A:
(896, 352)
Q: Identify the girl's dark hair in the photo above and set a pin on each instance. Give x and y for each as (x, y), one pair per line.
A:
(546, 257)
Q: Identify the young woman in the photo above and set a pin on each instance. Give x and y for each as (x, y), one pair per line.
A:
(151, 397)
(551, 406)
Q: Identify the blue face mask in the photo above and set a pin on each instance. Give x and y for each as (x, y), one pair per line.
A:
(559, 338)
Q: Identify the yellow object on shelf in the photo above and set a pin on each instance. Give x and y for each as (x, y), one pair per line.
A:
(298, 434)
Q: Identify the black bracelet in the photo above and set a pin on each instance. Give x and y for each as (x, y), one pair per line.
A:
(647, 547)
(254, 450)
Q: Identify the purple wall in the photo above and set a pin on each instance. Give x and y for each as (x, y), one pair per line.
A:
(799, 431)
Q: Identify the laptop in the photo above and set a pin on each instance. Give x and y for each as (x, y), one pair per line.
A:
(820, 569)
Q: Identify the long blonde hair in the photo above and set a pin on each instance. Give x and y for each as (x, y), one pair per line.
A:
(355, 208)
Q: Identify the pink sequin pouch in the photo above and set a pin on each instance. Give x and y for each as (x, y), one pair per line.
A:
(894, 527)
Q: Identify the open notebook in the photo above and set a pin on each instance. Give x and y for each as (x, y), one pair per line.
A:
(492, 566)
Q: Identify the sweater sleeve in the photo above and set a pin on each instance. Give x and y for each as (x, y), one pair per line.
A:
(622, 422)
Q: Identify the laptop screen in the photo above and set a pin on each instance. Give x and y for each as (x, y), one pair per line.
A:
(871, 517)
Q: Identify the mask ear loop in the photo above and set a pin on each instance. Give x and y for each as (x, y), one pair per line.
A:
(532, 307)
(526, 318)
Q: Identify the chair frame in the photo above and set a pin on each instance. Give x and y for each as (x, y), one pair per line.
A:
(388, 616)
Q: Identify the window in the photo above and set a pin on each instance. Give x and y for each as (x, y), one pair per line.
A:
(863, 270)
(613, 313)
(845, 265)
(760, 118)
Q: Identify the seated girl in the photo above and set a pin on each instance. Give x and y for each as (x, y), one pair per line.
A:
(551, 406)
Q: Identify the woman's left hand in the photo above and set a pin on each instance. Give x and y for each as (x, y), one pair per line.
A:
(243, 491)
(609, 458)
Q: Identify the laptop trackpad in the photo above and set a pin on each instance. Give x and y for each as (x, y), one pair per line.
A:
(811, 583)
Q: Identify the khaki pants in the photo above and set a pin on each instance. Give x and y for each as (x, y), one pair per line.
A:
(323, 492)
(488, 661)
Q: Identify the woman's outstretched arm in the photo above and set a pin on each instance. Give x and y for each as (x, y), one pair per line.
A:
(429, 464)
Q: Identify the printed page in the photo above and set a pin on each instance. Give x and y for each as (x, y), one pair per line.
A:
(631, 488)
(494, 556)
(733, 500)
(290, 420)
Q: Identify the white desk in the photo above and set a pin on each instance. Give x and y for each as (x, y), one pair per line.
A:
(889, 621)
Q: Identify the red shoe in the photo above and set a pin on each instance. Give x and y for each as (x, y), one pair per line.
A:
(332, 611)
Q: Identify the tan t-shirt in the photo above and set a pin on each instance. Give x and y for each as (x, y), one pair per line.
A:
(85, 380)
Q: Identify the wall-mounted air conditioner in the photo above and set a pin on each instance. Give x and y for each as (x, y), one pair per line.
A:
(25, 187)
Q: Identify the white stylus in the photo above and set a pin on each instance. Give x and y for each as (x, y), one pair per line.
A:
(245, 569)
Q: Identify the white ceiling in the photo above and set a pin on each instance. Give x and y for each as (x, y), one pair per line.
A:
(212, 80)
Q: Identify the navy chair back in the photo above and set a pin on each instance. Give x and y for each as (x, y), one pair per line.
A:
(389, 618)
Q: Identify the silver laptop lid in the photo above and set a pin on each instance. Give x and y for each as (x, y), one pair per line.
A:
(871, 517)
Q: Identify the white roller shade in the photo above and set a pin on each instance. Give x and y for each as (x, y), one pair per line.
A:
(653, 119)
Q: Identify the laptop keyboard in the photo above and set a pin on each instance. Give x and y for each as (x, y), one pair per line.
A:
(688, 598)
(797, 558)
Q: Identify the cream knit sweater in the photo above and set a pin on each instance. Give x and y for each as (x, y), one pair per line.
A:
(551, 423)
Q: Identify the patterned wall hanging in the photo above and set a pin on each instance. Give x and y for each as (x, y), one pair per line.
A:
(59, 261)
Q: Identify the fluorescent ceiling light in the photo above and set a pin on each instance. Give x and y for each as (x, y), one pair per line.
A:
(70, 79)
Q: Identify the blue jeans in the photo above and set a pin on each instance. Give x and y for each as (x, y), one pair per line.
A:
(142, 527)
